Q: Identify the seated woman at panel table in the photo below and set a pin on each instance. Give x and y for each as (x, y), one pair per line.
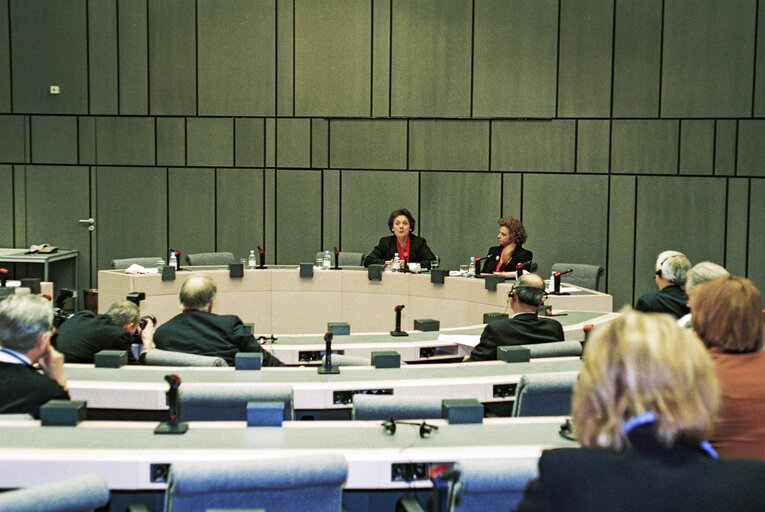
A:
(506, 256)
(727, 316)
(410, 248)
(643, 408)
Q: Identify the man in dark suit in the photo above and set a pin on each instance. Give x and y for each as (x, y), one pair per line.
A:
(199, 331)
(524, 327)
(671, 271)
(25, 330)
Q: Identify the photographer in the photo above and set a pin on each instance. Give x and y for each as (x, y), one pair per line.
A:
(86, 333)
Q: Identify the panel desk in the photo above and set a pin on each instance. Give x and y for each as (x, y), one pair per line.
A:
(278, 300)
(140, 390)
(20, 256)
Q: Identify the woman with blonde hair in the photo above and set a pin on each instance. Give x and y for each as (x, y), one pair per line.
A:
(643, 408)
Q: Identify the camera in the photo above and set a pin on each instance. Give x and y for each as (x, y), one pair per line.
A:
(136, 297)
(60, 315)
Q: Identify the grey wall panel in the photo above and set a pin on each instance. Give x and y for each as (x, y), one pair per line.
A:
(6, 207)
(54, 139)
(381, 58)
(736, 234)
(191, 207)
(562, 227)
(759, 80)
(146, 232)
(707, 63)
(368, 198)
(756, 250)
(584, 68)
(270, 142)
(171, 141)
(19, 206)
(49, 47)
(751, 148)
(86, 140)
(5, 59)
(239, 210)
(133, 58)
(331, 194)
(725, 147)
(644, 146)
(293, 143)
(532, 145)
(285, 87)
(367, 144)
(237, 54)
(269, 237)
(449, 145)
(102, 55)
(210, 141)
(593, 145)
(450, 205)
(249, 147)
(12, 139)
(333, 59)
(172, 57)
(319, 140)
(298, 223)
(516, 50)
(663, 222)
(697, 143)
(621, 240)
(125, 141)
(431, 61)
(637, 58)
(512, 196)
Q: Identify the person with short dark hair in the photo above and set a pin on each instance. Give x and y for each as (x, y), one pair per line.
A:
(25, 331)
(410, 247)
(524, 327)
(506, 256)
(197, 330)
(671, 272)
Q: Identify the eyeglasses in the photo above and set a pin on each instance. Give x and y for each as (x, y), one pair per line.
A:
(426, 429)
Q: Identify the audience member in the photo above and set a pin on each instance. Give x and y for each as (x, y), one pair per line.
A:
(524, 326)
(643, 408)
(699, 273)
(671, 270)
(197, 330)
(727, 316)
(25, 331)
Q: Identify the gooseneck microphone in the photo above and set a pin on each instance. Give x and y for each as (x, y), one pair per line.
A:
(3, 277)
(398, 331)
(262, 257)
(518, 270)
(327, 367)
(337, 260)
(556, 281)
(173, 425)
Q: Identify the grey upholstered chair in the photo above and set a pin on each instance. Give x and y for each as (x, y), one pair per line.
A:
(147, 262)
(545, 394)
(345, 259)
(586, 276)
(228, 401)
(385, 407)
(157, 357)
(284, 484)
(211, 258)
(554, 349)
(482, 485)
(343, 360)
(79, 494)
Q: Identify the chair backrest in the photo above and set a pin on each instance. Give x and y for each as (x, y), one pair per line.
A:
(385, 407)
(82, 493)
(586, 276)
(482, 485)
(157, 357)
(345, 259)
(211, 258)
(284, 484)
(343, 360)
(544, 394)
(147, 262)
(554, 349)
(228, 401)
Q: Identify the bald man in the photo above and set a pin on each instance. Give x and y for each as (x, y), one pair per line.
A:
(197, 330)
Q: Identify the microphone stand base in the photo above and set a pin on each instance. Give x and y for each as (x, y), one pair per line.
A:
(399, 333)
(167, 427)
(329, 370)
(336, 268)
(558, 293)
(261, 267)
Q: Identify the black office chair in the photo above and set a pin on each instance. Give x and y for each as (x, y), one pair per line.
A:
(586, 276)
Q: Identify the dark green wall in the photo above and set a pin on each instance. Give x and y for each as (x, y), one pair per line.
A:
(614, 128)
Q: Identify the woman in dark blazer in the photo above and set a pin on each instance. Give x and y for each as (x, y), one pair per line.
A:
(643, 407)
(410, 248)
(506, 256)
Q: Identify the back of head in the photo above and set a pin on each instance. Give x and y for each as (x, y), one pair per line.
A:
(530, 289)
(23, 318)
(644, 362)
(123, 312)
(701, 273)
(673, 267)
(197, 292)
(727, 313)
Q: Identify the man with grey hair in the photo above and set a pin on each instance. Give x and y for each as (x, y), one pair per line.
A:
(698, 274)
(197, 330)
(671, 271)
(85, 333)
(25, 330)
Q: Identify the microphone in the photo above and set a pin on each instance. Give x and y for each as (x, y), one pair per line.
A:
(518, 270)
(397, 331)
(477, 266)
(173, 425)
(556, 281)
(3, 277)
(327, 367)
(337, 259)
(564, 272)
(262, 257)
(177, 260)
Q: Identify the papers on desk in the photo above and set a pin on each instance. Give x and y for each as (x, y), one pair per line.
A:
(138, 269)
(467, 340)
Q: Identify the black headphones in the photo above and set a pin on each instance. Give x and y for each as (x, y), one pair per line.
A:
(531, 295)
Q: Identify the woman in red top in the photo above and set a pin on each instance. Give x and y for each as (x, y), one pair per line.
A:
(410, 248)
(506, 256)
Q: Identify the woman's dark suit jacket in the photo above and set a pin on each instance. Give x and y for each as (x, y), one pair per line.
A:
(520, 255)
(419, 252)
(644, 477)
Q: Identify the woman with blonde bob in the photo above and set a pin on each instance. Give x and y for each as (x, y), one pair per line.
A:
(643, 408)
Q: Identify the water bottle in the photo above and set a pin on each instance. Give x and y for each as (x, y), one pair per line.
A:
(173, 262)
(327, 261)
(471, 267)
(396, 263)
(551, 283)
(251, 261)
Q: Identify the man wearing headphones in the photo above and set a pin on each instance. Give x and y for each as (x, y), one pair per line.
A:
(671, 271)
(524, 327)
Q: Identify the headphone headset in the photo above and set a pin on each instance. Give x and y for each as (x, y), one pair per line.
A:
(535, 295)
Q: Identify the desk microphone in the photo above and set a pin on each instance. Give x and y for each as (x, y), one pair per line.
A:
(3, 277)
(262, 256)
(337, 260)
(556, 281)
(398, 331)
(177, 260)
(477, 266)
(173, 425)
(326, 367)
(518, 270)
